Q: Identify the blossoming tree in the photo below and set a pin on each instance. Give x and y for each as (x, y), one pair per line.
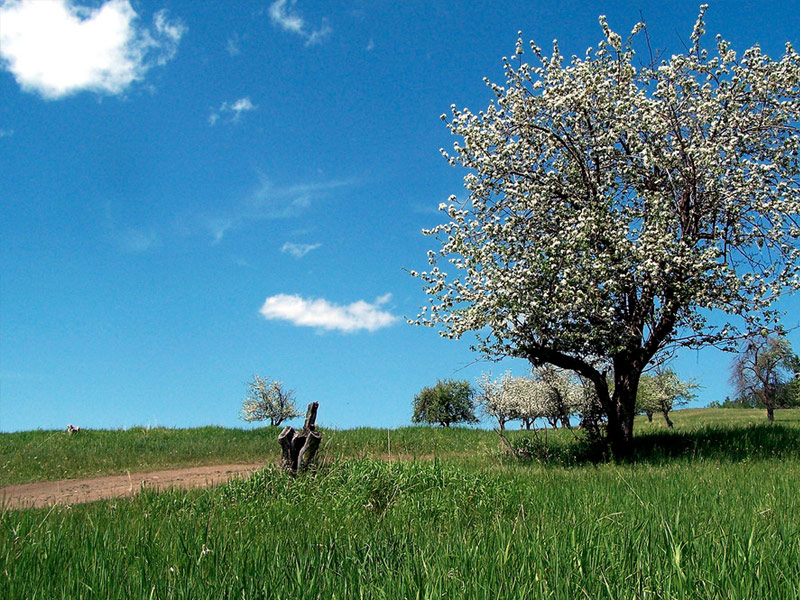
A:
(549, 393)
(525, 397)
(612, 207)
(663, 391)
(492, 400)
(268, 400)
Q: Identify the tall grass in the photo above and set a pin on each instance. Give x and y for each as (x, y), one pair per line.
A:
(427, 529)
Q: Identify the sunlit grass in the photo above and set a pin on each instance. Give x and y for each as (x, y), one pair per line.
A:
(723, 417)
(707, 510)
(50, 455)
(427, 529)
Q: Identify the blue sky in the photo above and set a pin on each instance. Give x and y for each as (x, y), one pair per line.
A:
(196, 192)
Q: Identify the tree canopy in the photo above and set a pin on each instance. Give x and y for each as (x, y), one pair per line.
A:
(447, 402)
(613, 206)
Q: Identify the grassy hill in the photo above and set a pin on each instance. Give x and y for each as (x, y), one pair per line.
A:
(50, 455)
(709, 510)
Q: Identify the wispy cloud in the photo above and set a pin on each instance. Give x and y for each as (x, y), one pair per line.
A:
(219, 226)
(232, 109)
(283, 15)
(270, 202)
(138, 238)
(322, 314)
(298, 250)
(6, 133)
(137, 241)
(58, 48)
(232, 45)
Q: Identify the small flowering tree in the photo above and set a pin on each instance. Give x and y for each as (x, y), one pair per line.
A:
(611, 207)
(662, 392)
(549, 393)
(492, 401)
(561, 394)
(511, 398)
(524, 395)
(268, 401)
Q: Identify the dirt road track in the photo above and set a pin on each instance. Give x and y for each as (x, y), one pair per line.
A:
(77, 491)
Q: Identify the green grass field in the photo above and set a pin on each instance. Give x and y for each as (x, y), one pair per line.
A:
(710, 510)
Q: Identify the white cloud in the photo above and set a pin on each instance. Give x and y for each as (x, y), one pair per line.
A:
(57, 48)
(6, 133)
(242, 105)
(171, 32)
(298, 250)
(282, 14)
(235, 109)
(324, 315)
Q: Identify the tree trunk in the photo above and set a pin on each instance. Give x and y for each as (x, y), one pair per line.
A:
(667, 419)
(770, 413)
(649, 414)
(298, 449)
(502, 424)
(622, 409)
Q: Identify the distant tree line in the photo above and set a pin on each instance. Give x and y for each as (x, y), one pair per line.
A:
(555, 396)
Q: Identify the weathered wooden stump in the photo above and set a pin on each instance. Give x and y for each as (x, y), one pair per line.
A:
(298, 449)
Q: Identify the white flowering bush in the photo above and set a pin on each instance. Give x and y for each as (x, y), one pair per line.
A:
(511, 398)
(268, 400)
(612, 207)
(561, 393)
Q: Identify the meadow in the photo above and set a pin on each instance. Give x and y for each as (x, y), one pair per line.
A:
(709, 510)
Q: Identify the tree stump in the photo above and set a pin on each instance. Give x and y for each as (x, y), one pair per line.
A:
(299, 448)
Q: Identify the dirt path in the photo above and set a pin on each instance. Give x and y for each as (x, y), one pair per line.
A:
(76, 491)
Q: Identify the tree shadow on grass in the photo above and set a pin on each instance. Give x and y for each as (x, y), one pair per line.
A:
(715, 443)
(734, 444)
